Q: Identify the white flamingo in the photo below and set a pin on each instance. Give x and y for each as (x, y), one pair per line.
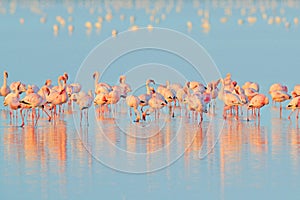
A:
(84, 102)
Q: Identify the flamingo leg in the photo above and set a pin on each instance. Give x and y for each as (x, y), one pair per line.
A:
(49, 117)
(280, 110)
(289, 117)
(23, 123)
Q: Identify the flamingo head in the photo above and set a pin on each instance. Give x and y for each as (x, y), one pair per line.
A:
(47, 91)
(150, 81)
(122, 79)
(48, 82)
(66, 75)
(266, 101)
(5, 74)
(234, 83)
(96, 74)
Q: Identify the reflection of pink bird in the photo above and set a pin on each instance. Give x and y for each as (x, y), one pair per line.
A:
(4, 89)
(257, 102)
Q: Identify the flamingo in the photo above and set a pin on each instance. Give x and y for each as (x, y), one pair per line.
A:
(58, 97)
(100, 100)
(241, 94)
(133, 102)
(12, 100)
(33, 101)
(113, 98)
(48, 83)
(84, 102)
(196, 86)
(229, 99)
(18, 86)
(101, 87)
(32, 89)
(155, 103)
(296, 91)
(277, 87)
(257, 102)
(196, 102)
(168, 94)
(212, 89)
(144, 98)
(4, 91)
(280, 96)
(293, 105)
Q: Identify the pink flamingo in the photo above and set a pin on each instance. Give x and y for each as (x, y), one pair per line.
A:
(33, 101)
(257, 102)
(293, 105)
(133, 102)
(229, 99)
(144, 98)
(60, 96)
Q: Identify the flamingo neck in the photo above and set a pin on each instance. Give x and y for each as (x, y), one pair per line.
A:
(148, 88)
(221, 92)
(96, 79)
(4, 81)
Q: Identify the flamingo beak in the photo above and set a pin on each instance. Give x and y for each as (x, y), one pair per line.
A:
(6, 74)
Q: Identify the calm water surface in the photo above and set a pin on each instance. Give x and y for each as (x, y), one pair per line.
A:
(251, 160)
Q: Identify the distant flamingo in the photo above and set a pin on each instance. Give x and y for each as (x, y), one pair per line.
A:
(4, 91)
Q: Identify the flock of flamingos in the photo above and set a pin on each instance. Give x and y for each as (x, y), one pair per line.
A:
(192, 97)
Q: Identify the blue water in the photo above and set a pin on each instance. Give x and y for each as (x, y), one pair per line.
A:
(251, 160)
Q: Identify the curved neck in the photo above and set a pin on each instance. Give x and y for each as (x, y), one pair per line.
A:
(148, 88)
(96, 79)
(4, 80)
(221, 92)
